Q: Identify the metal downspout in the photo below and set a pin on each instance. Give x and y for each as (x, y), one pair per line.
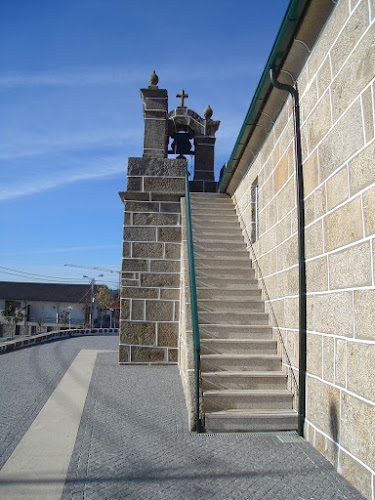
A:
(301, 249)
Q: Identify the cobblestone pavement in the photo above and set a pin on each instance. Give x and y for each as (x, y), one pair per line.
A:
(133, 443)
(28, 378)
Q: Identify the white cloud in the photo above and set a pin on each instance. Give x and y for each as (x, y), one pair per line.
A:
(99, 168)
(92, 76)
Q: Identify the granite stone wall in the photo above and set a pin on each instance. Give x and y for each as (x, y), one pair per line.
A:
(150, 285)
(337, 125)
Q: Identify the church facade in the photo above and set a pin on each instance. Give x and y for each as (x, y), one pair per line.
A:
(324, 190)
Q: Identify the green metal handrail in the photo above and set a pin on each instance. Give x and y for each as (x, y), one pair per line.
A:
(193, 303)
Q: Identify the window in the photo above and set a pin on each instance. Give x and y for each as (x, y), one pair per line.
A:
(254, 211)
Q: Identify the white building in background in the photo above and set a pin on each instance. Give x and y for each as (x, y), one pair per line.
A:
(45, 307)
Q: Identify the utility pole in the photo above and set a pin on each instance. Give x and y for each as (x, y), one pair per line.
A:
(92, 283)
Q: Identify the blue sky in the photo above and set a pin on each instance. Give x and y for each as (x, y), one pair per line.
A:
(71, 113)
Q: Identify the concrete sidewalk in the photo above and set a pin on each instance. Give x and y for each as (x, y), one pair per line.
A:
(133, 442)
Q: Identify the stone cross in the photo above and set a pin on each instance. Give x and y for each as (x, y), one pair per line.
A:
(182, 96)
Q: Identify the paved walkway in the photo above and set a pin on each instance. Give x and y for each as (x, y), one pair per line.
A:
(133, 442)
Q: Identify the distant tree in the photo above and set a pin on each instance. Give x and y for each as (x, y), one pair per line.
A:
(13, 314)
(104, 299)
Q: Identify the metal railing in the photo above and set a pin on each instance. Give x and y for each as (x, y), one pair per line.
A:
(193, 304)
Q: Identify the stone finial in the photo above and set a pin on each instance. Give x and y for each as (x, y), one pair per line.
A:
(208, 112)
(153, 79)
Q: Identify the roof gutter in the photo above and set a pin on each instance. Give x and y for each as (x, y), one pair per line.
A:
(285, 38)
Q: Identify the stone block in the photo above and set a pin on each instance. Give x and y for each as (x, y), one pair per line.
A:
(173, 355)
(133, 196)
(169, 234)
(368, 114)
(123, 353)
(148, 355)
(156, 167)
(309, 210)
(310, 173)
(161, 280)
(124, 309)
(267, 263)
(364, 306)
(361, 169)
(134, 265)
(323, 407)
(309, 100)
(136, 292)
(280, 173)
(286, 199)
(291, 312)
(328, 358)
(356, 474)
(159, 310)
(150, 250)
(337, 188)
(328, 35)
(344, 225)
(349, 36)
(314, 354)
(128, 219)
(287, 282)
(341, 362)
(334, 313)
(361, 369)
(356, 74)
(283, 229)
(324, 77)
(369, 210)
(144, 219)
(168, 334)
(165, 184)
(170, 293)
(142, 206)
(126, 249)
(287, 254)
(319, 122)
(344, 139)
(172, 251)
(351, 267)
(165, 266)
(172, 197)
(317, 275)
(138, 310)
(140, 233)
(139, 333)
(170, 207)
(357, 428)
(314, 240)
(134, 183)
(320, 201)
(320, 442)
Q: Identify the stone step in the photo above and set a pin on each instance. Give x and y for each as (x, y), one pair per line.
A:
(238, 346)
(222, 283)
(235, 332)
(217, 225)
(218, 238)
(214, 208)
(224, 255)
(230, 305)
(219, 246)
(214, 218)
(216, 272)
(251, 421)
(244, 380)
(247, 399)
(233, 318)
(234, 263)
(240, 362)
(200, 204)
(216, 231)
(227, 293)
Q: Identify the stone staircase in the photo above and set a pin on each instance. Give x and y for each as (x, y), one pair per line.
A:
(243, 386)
